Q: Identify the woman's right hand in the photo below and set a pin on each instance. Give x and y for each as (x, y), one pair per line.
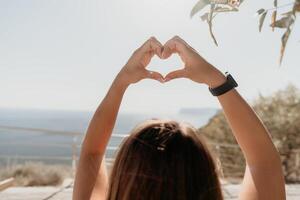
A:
(135, 69)
(195, 67)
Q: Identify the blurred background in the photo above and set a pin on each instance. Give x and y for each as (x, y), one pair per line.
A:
(58, 59)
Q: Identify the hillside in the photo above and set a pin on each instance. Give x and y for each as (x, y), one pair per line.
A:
(281, 114)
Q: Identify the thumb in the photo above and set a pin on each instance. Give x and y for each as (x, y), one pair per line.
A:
(181, 73)
(154, 75)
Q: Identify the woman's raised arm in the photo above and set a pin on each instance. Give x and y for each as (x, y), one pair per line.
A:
(91, 180)
(263, 177)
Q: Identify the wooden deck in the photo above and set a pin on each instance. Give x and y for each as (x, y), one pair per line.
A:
(65, 192)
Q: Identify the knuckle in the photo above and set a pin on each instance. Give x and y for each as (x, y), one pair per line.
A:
(176, 37)
(152, 38)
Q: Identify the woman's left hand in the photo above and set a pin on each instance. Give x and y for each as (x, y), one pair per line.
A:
(135, 69)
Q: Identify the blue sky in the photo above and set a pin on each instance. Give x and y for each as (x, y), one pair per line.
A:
(63, 54)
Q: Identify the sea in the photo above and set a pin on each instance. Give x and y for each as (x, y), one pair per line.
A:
(52, 136)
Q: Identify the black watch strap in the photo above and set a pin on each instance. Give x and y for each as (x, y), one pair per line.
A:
(225, 87)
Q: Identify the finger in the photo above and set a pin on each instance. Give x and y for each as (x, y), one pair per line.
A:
(167, 51)
(182, 44)
(180, 40)
(175, 45)
(156, 46)
(152, 45)
(154, 75)
(181, 73)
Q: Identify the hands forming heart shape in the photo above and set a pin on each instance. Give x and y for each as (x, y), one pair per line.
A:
(195, 67)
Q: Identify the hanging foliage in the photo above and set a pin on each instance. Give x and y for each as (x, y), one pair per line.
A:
(262, 19)
(285, 21)
(216, 7)
(274, 15)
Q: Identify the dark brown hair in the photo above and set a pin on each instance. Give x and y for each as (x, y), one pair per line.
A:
(164, 160)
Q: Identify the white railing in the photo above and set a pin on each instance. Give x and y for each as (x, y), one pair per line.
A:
(74, 146)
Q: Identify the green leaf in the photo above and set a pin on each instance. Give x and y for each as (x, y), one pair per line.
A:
(261, 20)
(260, 11)
(199, 6)
(274, 14)
(204, 17)
(219, 1)
(296, 6)
(284, 22)
(284, 40)
(225, 9)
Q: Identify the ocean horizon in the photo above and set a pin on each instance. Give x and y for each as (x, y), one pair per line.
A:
(49, 135)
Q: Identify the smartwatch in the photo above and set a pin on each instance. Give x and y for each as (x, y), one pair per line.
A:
(225, 87)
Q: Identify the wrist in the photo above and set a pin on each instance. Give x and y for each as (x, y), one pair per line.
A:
(121, 82)
(216, 78)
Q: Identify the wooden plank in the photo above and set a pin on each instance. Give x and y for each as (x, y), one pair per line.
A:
(6, 183)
